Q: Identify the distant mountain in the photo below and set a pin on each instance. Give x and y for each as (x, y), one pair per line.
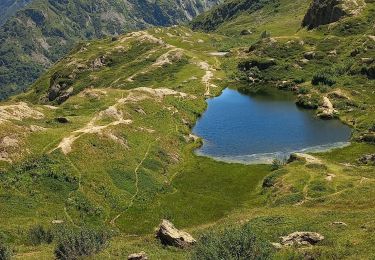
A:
(228, 10)
(38, 35)
(10, 7)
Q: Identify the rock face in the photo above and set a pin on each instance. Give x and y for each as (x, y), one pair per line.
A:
(138, 256)
(169, 235)
(323, 12)
(301, 238)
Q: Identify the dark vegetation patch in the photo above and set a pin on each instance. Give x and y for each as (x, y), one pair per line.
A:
(75, 243)
(232, 243)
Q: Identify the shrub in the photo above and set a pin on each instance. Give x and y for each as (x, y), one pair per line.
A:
(272, 178)
(303, 90)
(38, 235)
(5, 252)
(323, 78)
(232, 243)
(265, 34)
(74, 244)
(277, 164)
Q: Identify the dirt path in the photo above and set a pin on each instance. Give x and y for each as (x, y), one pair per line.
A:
(113, 221)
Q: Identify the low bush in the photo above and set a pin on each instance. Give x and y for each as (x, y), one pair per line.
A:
(232, 243)
(77, 243)
(5, 252)
(272, 178)
(38, 235)
(303, 90)
(277, 164)
(323, 78)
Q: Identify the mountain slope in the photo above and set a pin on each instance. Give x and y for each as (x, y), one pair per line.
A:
(103, 138)
(44, 31)
(10, 7)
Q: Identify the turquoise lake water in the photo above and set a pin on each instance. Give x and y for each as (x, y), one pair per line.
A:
(259, 127)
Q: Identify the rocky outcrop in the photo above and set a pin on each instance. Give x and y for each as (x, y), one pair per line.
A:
(323, 12)
(169, 235)
(138, 256)
(326, 111)
(367, 159)
(299, 238)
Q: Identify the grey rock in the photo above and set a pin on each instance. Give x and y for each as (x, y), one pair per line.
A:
(169, 235)
(138, 256)
(301, 238)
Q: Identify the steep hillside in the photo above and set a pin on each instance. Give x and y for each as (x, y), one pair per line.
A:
(44, 31)
(228, 10)
(10, 7)
(103, 140)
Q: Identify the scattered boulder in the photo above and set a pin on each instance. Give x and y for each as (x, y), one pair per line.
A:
(57, 221)
(301, 238)
(330, 177)
(367, 60)
(309, 55)
(246, 32)
(367, 159)
(339, 223)
(98, 62)
(62, 120)
(169, 235)
(304, 61)
(326, 111)
(140, 111)
(60, 92)
(368, 137)
(323, 12)
(332, 53)
(138, 256)
(369, 71)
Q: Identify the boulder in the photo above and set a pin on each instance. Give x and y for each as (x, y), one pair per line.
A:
(326, 111)
(138, 256)
(98, 62)
(169, 235)
(246, 32)
(339, 223)
(367, 159)
(367, 60)
(62, 120)
(309, 55)
(301, 238)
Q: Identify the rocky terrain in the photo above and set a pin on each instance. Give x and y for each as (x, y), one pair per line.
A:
(97, 157)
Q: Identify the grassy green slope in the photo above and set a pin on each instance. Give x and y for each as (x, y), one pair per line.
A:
(127, 175)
